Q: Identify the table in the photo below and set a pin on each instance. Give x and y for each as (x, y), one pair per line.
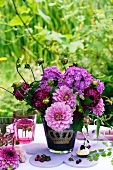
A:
(104, 163)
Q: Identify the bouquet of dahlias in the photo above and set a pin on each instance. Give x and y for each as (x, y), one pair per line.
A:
(72, 98)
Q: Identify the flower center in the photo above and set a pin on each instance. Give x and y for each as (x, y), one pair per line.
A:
(10, 153)
(58, 116)
(66, 97)
(91, 97)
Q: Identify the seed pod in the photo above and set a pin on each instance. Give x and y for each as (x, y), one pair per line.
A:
(64, 61)
(40, 61)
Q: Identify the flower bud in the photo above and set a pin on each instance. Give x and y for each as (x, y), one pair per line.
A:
(50, 82)
(108, 102)
(17, 84)
(45, 101)
(82, 96)
(94, 83)
(80, 110)
(40, 61)
(64, 61)
(87, 120)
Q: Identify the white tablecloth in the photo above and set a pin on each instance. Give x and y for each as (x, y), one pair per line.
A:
(103, 163)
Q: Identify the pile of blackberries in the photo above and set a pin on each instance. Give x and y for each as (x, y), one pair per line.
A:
(42, 158)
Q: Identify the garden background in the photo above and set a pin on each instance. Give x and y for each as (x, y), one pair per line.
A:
(80, 30)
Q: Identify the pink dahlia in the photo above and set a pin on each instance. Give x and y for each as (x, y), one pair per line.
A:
(20, 91)
(65, 94)
(21, 153)
(99, 108)
(8, 157)
(59, 116)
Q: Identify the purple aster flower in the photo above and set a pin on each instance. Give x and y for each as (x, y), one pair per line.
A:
(100, 86)
(20, 91)
(59, 116)
(65, 94)
(8, 157)
(39, 96)
(77, 77)
(99, 108)
(51, 76)
(93, 94)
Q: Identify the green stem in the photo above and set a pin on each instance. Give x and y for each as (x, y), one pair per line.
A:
(19, 72)
(42, 67)
(6, 90)
(32, 73)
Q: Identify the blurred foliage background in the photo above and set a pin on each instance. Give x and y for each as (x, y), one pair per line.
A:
(80, 30)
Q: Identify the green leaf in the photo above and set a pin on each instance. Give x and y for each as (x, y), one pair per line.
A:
(55, 36)
(101, 150)
(98, 45)
(95, 157)
(109, 153)
(87, 100)
(73, 46)
(2, 2)
(112, 161)
(86, 112)
(23, 9)
(97, 154)
(105, 143)
(77, 125)
(90, 158)
(111, 143)
(109, 149)
(92, 152)
(17, 21)
(98, 127)
(103, 154)
(45, 17)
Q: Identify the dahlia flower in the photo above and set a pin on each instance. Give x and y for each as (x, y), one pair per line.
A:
(8, 157)
(20, 91)
(59, 116)
(99, 108)
(93, 94)
(39, 96)
(66, 95)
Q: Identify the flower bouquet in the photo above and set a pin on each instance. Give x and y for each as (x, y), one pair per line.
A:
(70, 99)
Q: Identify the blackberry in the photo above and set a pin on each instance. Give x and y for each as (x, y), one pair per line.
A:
(82, 147)
(77, 162)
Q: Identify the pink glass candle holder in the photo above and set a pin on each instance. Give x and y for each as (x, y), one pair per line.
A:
(24, 125)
